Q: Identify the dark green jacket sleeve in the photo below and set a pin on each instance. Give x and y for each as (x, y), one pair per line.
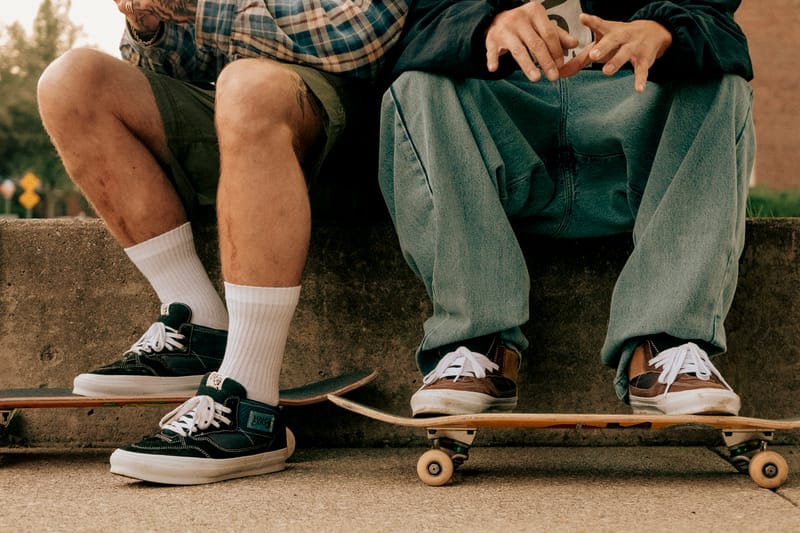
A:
(706, 40)
(448, 36)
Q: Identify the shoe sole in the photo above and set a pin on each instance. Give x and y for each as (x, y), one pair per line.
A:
(169, 470)
(458, 403)
(694, 402)
(101, 385)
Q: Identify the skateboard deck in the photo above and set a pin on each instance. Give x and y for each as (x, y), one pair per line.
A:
(310, 393)
(452, 436)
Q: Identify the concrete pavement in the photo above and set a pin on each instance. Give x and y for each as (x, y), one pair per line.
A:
(643, 488)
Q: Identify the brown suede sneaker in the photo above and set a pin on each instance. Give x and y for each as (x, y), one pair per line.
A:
(467, 382)
(678, 381)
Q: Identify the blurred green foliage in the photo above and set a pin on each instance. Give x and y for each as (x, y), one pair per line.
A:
(24, 144)
(764, 201)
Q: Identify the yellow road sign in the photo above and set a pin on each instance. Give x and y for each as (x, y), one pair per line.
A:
(29, 181)
(28, 199)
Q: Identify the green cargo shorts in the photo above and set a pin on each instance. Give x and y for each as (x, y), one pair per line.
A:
(187, 111)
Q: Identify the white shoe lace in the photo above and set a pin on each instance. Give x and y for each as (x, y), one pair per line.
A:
(194, 414)
(156, 338)
(460, 363)
(687, 358)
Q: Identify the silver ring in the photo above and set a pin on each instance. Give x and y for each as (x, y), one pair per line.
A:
(129, 7)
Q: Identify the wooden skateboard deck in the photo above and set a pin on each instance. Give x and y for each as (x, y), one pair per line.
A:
(307, 394)
(452, 436)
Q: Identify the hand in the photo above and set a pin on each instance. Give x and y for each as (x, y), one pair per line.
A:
(531, 38)
(639, 43)
(144, 16)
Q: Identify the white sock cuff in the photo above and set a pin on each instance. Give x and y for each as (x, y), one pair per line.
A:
(248, 294)
(180, 237)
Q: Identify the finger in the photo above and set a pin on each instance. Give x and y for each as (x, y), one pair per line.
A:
(524, 45)
(616, 61)
(545, 61)
(545, 42)
(520, 54)
(495, 40)
(530, 52)
(576, 64)
(526, 63)
(605, 48)
(595, 23)
(541, 51)
(532, 40)
(641, 72)
(494, 48)
(568, 41)
(606, 41)
(492, 58)
(640, 75)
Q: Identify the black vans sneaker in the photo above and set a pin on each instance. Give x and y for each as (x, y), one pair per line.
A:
(170, 358)
(219, 434)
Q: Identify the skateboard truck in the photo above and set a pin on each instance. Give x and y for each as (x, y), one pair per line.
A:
(749, 455)
(5, 417)
(450, 449)
(743, 444)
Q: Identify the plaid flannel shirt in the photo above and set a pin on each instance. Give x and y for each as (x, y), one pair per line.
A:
(346, 37)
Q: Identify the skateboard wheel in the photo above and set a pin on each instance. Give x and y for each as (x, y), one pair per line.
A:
(290, 443)
(435, 468)
(768, 469)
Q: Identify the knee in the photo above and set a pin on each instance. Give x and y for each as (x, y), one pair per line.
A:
(256, 96)
(737, 87)
(74, 78)
(729, 92)
(416, 85)
(415, 78)
(733, 103)
(422, 93)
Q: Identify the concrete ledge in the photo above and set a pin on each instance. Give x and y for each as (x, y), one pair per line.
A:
(71, 301)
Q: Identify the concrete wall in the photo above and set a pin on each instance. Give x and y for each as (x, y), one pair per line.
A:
(71, 301)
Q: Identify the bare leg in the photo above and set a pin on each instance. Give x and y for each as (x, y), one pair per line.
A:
(266, 122)
(104, 122)
(103, 119)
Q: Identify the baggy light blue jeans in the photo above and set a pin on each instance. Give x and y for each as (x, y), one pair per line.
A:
(467, 163)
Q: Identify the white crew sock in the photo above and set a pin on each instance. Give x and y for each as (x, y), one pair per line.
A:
(259, 326)
(170, 263)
